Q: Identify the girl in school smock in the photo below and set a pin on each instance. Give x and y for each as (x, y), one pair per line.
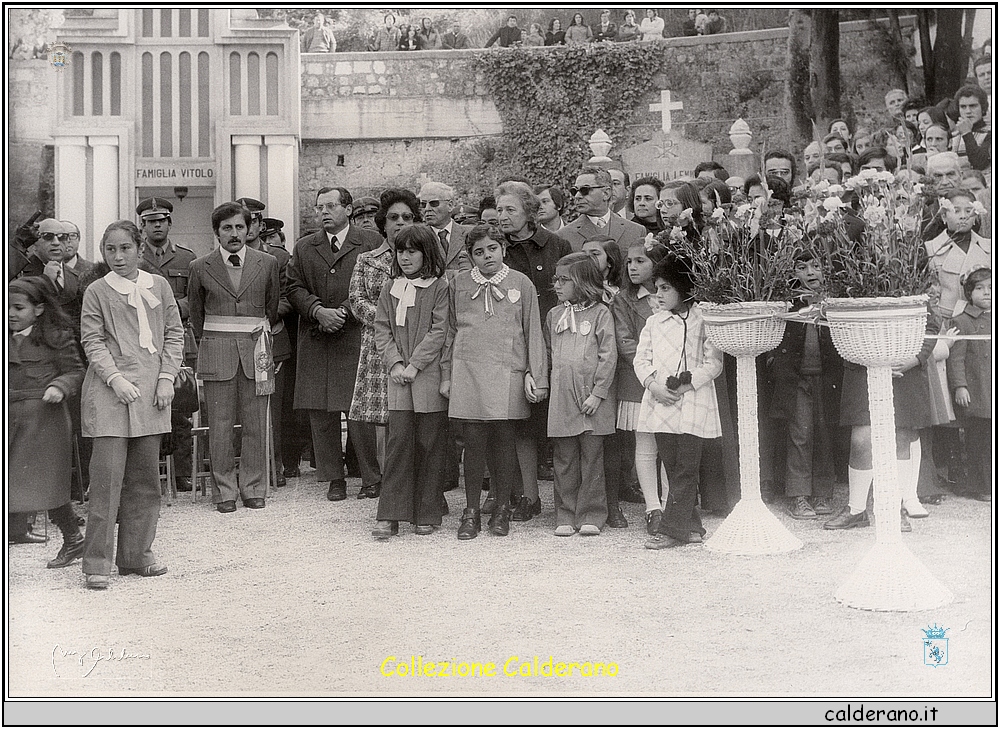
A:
(411, 323)
(580, 335)
(496, 357)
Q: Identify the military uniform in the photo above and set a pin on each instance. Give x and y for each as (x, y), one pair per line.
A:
(173, 262)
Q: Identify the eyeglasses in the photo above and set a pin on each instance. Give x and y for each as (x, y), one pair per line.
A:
(74, 236)
(585, 190)
(664, 204)
(561, 280)
(430, 203)
(61, 237)
(328, 207)
(405, 217)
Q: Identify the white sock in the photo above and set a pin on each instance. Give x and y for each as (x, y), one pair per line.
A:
(909, 474)
(645, 469)
(859, 481)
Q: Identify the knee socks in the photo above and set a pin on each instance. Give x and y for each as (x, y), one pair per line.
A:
(909, 473)
(645, 470)
(859, 483)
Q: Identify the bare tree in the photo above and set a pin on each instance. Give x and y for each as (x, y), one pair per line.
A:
(824, 54)
(799, 106)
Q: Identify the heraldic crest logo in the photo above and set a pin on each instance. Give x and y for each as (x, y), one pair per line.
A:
(935, 646)
(59, 54)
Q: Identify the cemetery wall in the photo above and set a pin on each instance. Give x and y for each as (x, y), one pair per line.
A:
(375, 120)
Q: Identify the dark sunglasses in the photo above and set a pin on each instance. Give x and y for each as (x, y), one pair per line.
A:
(61, 237)
(431, 203)
(585, 190)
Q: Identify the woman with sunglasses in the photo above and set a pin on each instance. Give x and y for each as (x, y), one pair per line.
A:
(370, 405)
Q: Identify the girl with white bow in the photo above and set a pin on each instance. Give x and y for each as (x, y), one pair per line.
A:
(580, 334)
(495, 355)
(411, 323)
(132, 334)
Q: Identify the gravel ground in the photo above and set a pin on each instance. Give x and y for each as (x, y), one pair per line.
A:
(299, 600)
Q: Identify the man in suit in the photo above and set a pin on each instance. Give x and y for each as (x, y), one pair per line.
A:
(329, 337)
(233, 295)
(319, 38)
(619, 191)
(73, 258)
(437, 201)
(165, 258)
(591, 196)
(455, 38)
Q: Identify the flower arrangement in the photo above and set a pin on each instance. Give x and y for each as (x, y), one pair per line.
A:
(886, 257)
(744, 254)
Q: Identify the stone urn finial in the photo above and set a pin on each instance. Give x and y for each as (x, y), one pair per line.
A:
(741, 136)
(600, 144)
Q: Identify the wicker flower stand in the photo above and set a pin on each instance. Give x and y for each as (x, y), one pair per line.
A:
(880, 334)
(746, 330)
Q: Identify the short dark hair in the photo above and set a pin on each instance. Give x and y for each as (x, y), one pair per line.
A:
(487, 203)
(654, 182)
(420, 237)
(986, 60)
(707, 166)
(676, 271)
(226, 211)
(628, 182)
(826, 166)
(840, 158)
(480, 232)
(976, 91)
(782, 154)
(345, 195)
(555, 193)
(752, 180)
(389, 198)
(719, 191)
(834, 136)
(877, 153)
(937, 115)
(973, 277)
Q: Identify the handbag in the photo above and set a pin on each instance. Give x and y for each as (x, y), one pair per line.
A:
(185, 392)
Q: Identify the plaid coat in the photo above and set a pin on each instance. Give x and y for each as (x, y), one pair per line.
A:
(373, 270)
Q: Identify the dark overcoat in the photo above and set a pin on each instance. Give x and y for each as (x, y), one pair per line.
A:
(327, 363)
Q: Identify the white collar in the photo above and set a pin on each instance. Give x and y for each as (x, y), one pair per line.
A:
(25, 332)
(447, 228)
(643, 293)
(606, 218)
(124, 286)
(340, 236)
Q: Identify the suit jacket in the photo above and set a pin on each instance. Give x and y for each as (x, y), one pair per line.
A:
(82, 265)
(210, 291)
(327, 363)
(69, 298)
(624, 232)
(456, 258)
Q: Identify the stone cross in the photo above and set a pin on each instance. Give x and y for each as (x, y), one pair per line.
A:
(666, 106)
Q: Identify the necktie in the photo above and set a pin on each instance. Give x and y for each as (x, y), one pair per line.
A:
(443, 235)
(600, 223)
(234, 260)
(335, 244)
(59, 278)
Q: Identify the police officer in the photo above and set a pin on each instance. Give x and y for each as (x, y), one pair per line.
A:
(363, 215)
(256, 208)
(165, 258)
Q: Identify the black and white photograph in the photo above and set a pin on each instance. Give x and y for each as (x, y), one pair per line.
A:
(551, 358)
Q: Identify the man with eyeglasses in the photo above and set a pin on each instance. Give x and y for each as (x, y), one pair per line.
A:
(47, 260)
(591, 196)
(329, 337)
(437, 201)
(73, 258)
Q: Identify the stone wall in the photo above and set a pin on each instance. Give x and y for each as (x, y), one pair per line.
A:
(31, 107)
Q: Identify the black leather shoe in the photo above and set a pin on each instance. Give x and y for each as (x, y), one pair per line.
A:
(471, 524)
(183, 483)
(27, 538)
(653, 519)
(500, 522)
(846, 520)
(226, 507)
(280, 480)
(337, 491)
(370, 492)
(72, 550)
(489, 506)
(255, 503)
(153, 570)
(616, 519)
(385, 529)
(423, 529)
(291, 472)
(526, 509)
(695, 538)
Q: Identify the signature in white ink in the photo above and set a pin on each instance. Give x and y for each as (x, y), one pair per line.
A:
(86, 661)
